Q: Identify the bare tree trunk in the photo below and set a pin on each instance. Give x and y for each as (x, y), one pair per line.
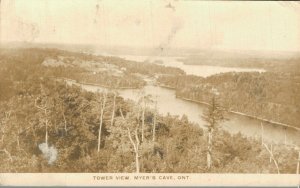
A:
(298, 164)
(136, 149)
(101, 120)
(65, 122)
(46, 124)
(18, 140)
(271, 152)
(262, 134)
(272, 157)
(138, 118)
(46, 133)
(99, 132)
(44, 108)
(143, 117)
(7, 116)
(113, 111)
(209, 150)
(137, 162)
(154, 122)
(46, 136)
(122, 114)
(134, 145)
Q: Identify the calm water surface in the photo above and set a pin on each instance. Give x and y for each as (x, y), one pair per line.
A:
(167, 103)
(198, 70)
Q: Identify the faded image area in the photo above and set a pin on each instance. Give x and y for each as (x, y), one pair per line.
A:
(166, 86)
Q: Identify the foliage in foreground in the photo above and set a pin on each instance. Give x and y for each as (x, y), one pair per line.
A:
(179, 145)
(36, 111)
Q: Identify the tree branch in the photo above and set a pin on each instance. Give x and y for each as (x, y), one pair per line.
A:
(121, 113)
(272, 157)
(130, 138)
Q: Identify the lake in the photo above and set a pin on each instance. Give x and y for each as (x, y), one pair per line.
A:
(198, 70)
(167, 103)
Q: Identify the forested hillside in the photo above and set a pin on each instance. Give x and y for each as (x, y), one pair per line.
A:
(270, 95)
(47, 125)
(286, 62)
(105, 71)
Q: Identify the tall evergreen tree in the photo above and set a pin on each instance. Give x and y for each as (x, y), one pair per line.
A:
(212, 116)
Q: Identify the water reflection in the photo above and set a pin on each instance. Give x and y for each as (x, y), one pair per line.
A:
(198, 70)
(167, 103)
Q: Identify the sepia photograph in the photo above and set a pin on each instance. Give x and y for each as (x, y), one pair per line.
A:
(149, 92)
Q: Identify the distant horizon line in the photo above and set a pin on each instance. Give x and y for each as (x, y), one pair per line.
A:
(110, 47)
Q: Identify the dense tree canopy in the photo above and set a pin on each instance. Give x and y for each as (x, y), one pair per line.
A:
(47, 125)
(273, 96)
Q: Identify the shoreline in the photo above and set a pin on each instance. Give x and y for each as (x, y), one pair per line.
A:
(226, 66)
(93, 84)
(246, 115)
(195, 101)
(234, 112)
(164, 86)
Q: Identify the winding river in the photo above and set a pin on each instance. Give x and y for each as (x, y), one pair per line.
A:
(169, 104)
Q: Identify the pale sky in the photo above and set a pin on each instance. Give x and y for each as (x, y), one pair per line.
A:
(251, 25)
